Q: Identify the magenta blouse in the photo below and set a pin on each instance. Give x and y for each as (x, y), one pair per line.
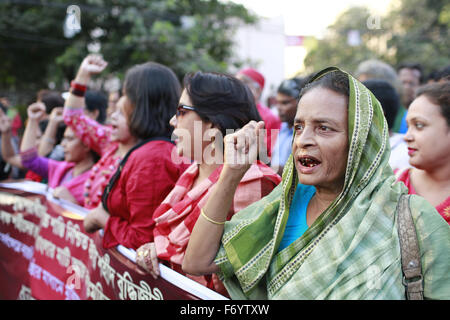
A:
(57, 173)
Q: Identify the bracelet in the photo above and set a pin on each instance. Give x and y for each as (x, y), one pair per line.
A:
(209, 219)
(78, 86)
(76, 92)
(50, 140)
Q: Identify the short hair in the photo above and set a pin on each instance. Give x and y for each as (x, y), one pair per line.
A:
(413, 66)
(292, 87)
(96, 100)
(376, 69)
(154, 91)
(221, 99)
(387, 96)
(51, 99)
(443, 73)
(433, 75)
(438, 94)
(336, 81)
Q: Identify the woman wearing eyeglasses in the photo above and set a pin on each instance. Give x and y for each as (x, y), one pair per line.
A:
(211, 105)
(136, 168)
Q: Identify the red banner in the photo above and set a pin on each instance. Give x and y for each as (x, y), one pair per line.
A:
(45, 254)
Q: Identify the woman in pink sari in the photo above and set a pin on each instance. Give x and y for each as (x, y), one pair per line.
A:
(67, 177)
(428, 139)
(211, 104)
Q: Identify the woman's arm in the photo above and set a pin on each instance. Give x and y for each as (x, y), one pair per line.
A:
(35, 112)
(48, 140)
(28, 148)
(92, 133)
(32, 161)
(92, 64)
(8, 153)
(241, 150)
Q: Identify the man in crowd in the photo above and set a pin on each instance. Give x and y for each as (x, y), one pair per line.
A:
(255, 81)
(411, 77)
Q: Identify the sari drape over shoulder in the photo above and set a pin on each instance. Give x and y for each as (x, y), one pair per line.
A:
(352, 250)
(176, 216)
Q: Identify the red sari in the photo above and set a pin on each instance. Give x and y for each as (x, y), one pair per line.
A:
(176, 216)
(146, 179)
(443, 208)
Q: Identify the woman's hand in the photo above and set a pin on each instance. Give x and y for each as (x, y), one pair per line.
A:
(5, 122)
(96, 219)
(56, 116)
(147, 259)
(62, 192)
(36, 111)
(92, 64)
(242, 147)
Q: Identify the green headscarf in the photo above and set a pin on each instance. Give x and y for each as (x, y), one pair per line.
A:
(352, 250)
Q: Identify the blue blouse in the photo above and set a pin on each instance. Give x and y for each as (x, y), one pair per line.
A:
(296, 224)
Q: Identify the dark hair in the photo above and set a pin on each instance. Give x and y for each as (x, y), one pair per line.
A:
(413, 66)
(3, 107)
(387, 96)
(336, 81)
(443, 73)
(292, 87)
(154, 91)
(59, 131)
(221, 99)
(438, 94)
(96, 100)
(43, 125)
(51, 99)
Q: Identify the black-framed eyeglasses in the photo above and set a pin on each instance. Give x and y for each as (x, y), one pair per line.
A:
(182, 107)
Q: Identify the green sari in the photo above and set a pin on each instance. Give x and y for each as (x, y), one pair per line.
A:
(352, 250)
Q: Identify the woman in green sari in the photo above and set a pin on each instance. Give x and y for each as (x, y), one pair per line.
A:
(329, 230)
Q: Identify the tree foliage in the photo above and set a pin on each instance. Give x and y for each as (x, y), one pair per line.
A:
(413, 31)
(186, 35)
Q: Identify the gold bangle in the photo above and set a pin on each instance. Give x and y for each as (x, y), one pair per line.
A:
(209, 219)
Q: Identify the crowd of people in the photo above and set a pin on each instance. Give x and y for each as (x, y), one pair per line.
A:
(300, 203)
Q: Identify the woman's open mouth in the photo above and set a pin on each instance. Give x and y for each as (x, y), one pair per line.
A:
(307, 164)
(308, 161)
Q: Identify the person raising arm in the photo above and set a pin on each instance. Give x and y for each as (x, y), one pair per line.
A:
(207, 233)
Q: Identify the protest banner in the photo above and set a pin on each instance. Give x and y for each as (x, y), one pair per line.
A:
(45, 254)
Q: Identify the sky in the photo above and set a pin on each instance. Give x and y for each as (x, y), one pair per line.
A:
(309, 17)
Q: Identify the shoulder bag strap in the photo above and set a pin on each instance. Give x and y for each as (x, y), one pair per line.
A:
(409, 248)
(116, 175)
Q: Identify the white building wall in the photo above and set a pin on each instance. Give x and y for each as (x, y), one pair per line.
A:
(262, 46)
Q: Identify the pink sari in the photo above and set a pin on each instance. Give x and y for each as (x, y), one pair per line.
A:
(57, 171)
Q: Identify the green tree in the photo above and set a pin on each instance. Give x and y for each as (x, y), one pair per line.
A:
(336, 48)
(419, 32)
(186, 35)
(412, 31)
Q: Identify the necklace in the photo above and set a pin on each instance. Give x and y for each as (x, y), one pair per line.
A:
(98, 179)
